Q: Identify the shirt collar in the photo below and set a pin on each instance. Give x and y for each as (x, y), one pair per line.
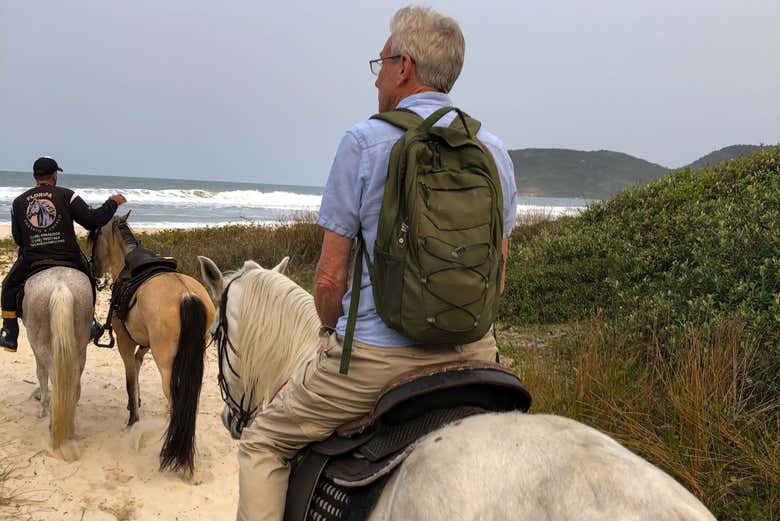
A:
(425, 98)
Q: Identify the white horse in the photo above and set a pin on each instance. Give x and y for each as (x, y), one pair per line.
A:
(57, 313)
(498, 466)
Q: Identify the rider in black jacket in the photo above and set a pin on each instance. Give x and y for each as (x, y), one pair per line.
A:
(42, 227)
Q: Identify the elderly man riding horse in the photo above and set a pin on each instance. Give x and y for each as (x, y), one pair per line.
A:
(42, 227)
(416, 68)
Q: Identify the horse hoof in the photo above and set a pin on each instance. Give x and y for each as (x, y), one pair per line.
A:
(36, 394)
(133, 419)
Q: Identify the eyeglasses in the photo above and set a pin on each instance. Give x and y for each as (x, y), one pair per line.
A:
(376, 65)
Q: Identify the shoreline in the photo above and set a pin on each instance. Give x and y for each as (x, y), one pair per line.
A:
(5, 230)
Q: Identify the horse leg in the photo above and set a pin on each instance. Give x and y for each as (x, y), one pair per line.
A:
(42, 368)
(163, 352)
(139, 359)
(126, 351)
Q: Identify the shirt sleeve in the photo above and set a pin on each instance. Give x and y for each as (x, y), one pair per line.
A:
(91, 218)
(16, 232)
(506, 172)
(340, 206)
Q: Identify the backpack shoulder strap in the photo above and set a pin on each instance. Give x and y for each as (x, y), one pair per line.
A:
(471, 124)
(402, 118)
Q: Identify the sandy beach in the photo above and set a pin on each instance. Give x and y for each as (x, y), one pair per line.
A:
(117, 476)
(5, 230)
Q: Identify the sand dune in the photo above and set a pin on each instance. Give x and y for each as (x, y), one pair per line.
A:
(116, 476)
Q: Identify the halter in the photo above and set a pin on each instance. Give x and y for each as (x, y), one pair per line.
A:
(242, 413)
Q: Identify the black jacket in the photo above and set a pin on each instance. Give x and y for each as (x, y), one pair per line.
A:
(42, 223)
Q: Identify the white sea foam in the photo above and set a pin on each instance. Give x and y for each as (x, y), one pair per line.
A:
(188, 198)
(549, 212)
(197, 208)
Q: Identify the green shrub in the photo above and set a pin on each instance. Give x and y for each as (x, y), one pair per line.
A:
(695, 245)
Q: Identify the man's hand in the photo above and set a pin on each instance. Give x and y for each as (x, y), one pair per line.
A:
(119, 199)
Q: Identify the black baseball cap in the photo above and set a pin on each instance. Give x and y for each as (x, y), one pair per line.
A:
(44, 166)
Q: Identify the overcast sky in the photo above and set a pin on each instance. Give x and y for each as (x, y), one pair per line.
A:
(263, 91)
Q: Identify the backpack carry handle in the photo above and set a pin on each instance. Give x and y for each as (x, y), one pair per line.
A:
(431, 120)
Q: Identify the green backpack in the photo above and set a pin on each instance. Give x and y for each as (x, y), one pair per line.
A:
(437, 257)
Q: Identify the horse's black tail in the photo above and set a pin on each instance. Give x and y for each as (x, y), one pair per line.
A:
(178, 451)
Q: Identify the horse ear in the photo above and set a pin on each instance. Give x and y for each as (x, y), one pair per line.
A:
(212, 277)
(282, 266)
(125, 216)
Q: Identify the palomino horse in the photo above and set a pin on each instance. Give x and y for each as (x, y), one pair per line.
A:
(505, 466)
(170, 317)
(57, 313)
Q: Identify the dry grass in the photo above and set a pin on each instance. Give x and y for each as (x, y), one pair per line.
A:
(694, 415)
(230, 246)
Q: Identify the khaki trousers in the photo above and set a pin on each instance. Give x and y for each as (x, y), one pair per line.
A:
(314, 403)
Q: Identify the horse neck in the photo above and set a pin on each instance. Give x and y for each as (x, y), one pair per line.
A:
(117, 251)
(279, 332)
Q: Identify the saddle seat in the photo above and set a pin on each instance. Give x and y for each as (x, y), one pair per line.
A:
(141, 265)
(341, 477)
(140, 260)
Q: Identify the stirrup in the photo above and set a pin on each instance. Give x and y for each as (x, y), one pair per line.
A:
(95, 337)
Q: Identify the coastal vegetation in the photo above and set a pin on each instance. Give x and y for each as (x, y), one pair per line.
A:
(671, 298)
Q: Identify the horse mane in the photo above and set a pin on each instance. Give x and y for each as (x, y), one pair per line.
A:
(279, 330)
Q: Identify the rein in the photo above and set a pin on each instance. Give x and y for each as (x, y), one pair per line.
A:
(221, 338)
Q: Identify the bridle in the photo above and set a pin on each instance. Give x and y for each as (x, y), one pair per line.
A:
(128, 238)
(131, 243)
(92, 238)
(241, 414)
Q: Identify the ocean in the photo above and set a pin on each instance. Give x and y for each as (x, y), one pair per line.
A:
(182, 203)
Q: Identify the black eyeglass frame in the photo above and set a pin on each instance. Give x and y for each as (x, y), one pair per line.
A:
(379, 62)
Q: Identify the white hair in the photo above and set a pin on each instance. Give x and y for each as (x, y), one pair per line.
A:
(434, 42)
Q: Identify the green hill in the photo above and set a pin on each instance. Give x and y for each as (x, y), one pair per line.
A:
(725, 154)
(574, 173)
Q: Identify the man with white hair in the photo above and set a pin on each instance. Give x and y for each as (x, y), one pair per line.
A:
(415, 70)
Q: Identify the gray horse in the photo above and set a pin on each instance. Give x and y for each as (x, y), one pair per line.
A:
(57, 313)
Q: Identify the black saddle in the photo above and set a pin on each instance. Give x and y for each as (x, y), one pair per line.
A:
(341, 478)
(140, 265)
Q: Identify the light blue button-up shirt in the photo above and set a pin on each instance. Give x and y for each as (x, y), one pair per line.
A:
(353, 197)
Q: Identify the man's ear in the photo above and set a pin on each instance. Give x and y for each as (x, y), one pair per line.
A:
(407, 71)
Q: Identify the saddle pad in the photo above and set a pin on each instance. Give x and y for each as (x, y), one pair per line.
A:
(332, 502)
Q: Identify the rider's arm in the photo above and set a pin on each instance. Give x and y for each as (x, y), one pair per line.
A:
(92, 218)
(339, 216)
(15, 231)
(330, 282)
